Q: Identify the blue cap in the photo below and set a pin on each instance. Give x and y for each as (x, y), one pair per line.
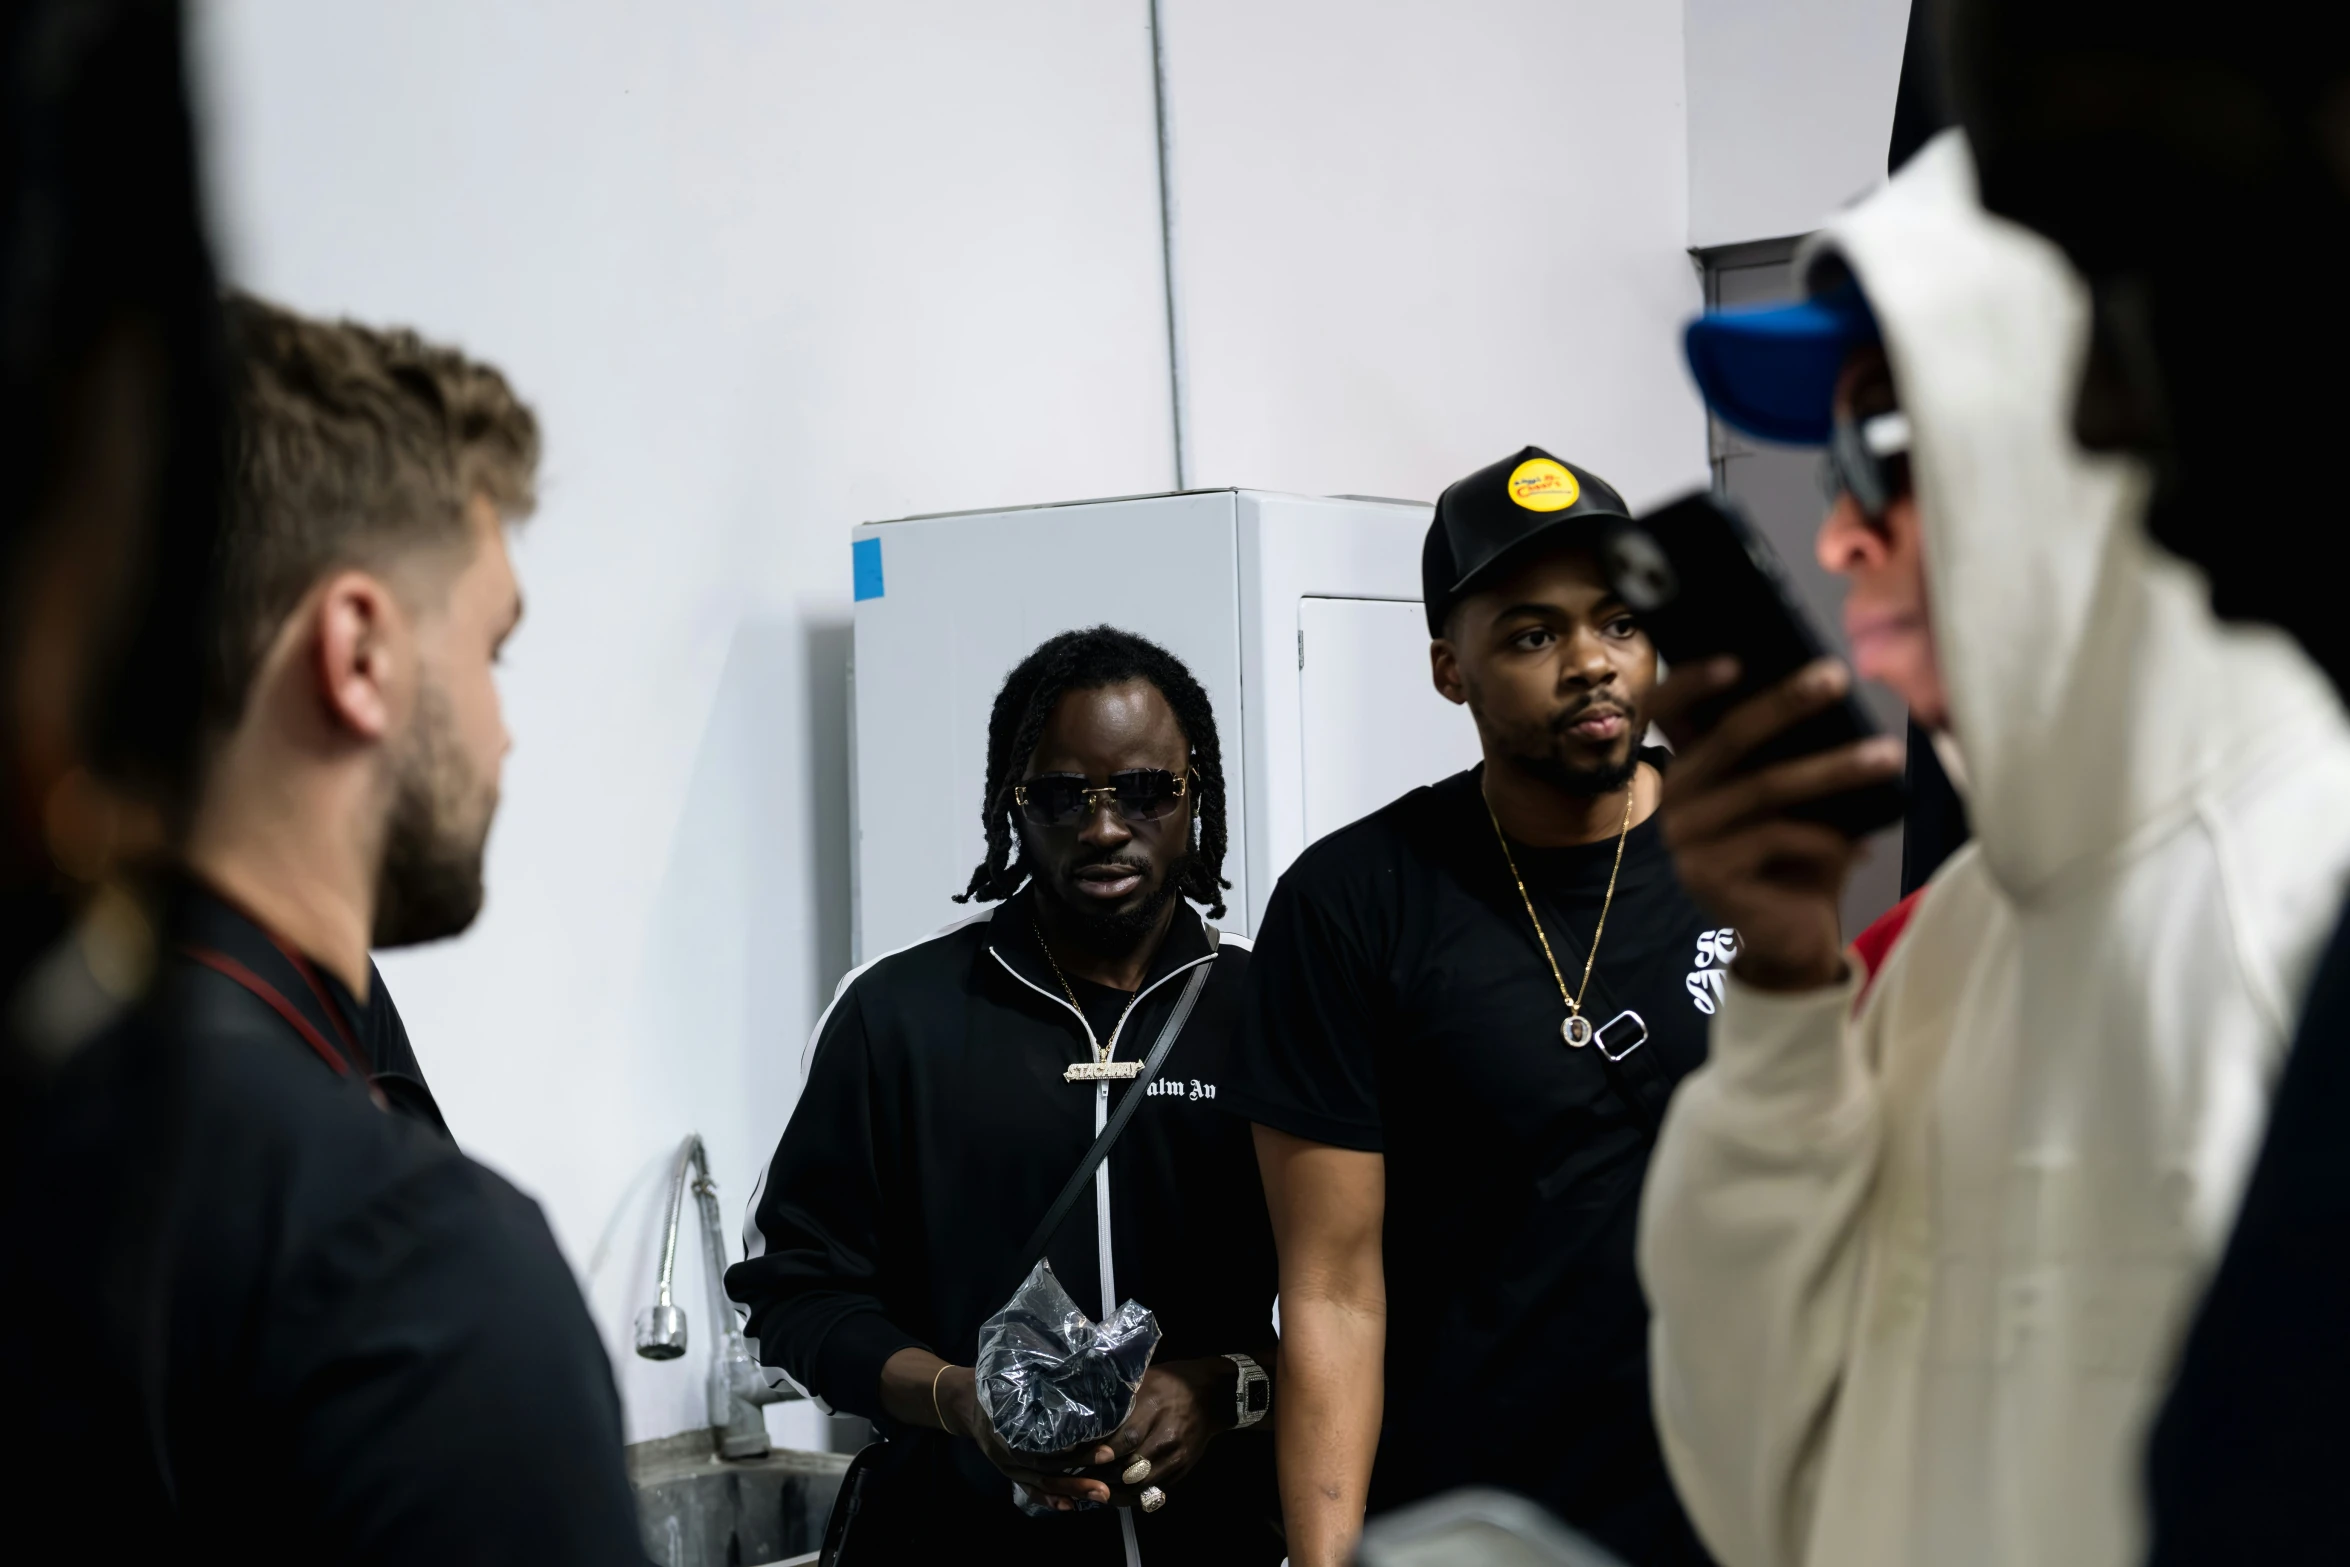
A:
(1770, 371)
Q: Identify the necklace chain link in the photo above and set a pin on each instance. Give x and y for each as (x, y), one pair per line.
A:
(1575, 1001)
(1101, 1049)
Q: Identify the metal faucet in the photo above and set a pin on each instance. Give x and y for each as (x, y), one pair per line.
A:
(737, 1388)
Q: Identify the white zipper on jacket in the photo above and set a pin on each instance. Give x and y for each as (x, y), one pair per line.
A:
(1101, 1104)
(1101, 1174)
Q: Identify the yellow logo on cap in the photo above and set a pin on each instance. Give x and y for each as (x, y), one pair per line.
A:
(1538, 484)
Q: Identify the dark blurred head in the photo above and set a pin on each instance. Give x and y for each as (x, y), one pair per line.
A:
(2194, 162)
(109, 447)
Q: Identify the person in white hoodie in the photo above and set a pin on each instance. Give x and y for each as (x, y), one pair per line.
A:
(1919, 1257)
(2099, 122)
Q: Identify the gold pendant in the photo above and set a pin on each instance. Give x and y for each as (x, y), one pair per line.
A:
(1576, 1030)
(1103, 1071)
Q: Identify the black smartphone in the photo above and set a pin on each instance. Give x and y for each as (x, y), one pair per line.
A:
(1704, 583)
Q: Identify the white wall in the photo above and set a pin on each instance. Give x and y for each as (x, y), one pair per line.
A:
(769, 269)
(1790, 108)
(765, 270)
(1412, 238)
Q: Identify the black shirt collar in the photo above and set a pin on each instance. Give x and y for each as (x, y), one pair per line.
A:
(1566, 867)
(366, 1037)
(211, 928)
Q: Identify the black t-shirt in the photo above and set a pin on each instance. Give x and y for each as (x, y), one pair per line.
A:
(297, 1327)
(1400, 1003)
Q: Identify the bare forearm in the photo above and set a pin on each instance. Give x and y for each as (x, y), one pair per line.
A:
(1333, 1388)
(920, 1389)
(1328, 1207)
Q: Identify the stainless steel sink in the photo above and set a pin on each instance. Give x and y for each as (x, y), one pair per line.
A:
(698, 1510)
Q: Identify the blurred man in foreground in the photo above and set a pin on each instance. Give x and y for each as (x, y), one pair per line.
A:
(109, 447)
(1920, 1240)
(326, 1306)
(2214, 358)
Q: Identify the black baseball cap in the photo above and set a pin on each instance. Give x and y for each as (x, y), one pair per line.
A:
(1503, 514)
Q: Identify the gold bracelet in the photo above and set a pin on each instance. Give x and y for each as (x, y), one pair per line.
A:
(934, 1409)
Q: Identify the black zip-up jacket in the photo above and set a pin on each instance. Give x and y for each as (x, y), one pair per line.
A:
(933, 1132)
(261, 1309)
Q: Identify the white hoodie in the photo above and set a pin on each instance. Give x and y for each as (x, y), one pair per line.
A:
(1919, 1270)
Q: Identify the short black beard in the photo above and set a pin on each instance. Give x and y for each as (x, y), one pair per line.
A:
(1532, 747)
(1583, 782)
(430, 883)
(1118, 933)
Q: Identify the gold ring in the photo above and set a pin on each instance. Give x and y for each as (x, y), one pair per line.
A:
(1136, 1472)
(1153, 1499)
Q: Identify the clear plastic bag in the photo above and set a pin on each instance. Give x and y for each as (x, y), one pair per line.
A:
(1050, 1378)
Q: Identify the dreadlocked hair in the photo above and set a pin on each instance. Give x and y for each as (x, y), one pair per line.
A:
(1087, 661)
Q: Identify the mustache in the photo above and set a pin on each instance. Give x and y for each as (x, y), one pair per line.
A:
(1112, 863)
(1589, 707)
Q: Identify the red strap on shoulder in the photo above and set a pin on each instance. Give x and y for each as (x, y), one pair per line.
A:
(334, 1014)
(1874, 945)
(222, 963)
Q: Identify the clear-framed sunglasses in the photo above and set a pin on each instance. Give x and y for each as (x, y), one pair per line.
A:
(1142, 794)
(1867, 459)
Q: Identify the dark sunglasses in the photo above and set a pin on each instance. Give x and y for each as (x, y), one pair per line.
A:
(1867, 459)
(1145, 794)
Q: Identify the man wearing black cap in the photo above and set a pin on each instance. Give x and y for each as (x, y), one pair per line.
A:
(1466, 1014)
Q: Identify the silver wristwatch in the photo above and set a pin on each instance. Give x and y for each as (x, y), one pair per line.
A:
(1255, 1395)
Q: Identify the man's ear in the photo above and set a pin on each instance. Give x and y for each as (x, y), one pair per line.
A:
(354, 647)
(1444, 669)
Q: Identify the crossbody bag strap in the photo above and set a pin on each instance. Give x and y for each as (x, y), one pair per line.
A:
(1034, 1250)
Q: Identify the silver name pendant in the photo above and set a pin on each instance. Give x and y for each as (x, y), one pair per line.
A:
(1117, 1071)
(1576, 1030)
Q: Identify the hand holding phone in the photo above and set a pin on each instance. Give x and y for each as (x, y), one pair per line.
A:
(1737, 844)
(1777, 770)
(1706, 585)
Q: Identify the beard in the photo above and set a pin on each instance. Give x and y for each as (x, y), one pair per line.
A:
(429, 883)
(1588, 782)
(1535, 751)
(1120, 929)
(1112, 931)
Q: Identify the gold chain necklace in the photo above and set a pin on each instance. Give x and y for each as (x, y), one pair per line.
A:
(1576, 1030)
(1101, 1069)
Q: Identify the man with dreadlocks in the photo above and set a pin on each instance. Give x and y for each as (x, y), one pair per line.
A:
(953, 1089)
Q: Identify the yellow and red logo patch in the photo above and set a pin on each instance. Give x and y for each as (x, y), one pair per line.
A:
(1538, 484)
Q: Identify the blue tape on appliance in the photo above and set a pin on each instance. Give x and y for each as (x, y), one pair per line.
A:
(865, 567)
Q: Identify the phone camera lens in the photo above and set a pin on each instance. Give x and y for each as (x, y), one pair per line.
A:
(1642, 574)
